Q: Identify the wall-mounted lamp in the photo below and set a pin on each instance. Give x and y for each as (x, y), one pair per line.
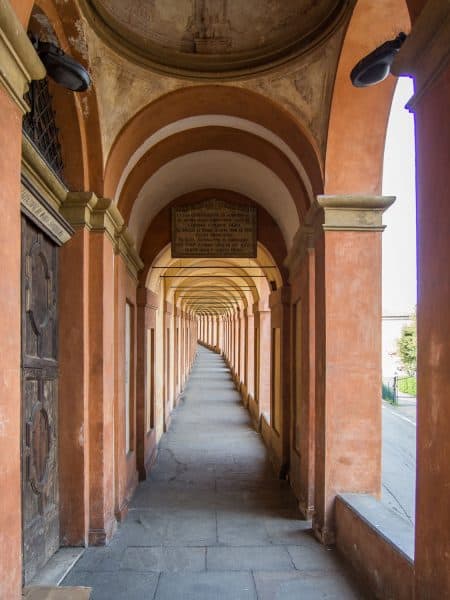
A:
(376, 66)
(63, 69)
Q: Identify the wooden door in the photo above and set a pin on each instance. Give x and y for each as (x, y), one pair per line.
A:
(40, 493)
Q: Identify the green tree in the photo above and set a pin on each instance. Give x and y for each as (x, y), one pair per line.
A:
(407, 346)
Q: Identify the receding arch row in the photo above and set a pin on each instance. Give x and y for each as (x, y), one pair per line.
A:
(157, 238)
(224, 100)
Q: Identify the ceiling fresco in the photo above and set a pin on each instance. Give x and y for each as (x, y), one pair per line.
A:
(213, 37)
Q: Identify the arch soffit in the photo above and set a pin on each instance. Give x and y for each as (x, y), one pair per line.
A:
(205, 139)
(77, 113)
(241, 290)
(213, 121)
(227, 170)
(197, 100)
(359, 116)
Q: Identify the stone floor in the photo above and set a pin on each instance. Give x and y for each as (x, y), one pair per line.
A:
(212, 522)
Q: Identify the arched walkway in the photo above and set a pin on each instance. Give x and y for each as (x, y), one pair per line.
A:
(212, 521)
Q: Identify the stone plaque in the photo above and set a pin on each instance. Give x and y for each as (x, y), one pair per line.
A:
(214, 229)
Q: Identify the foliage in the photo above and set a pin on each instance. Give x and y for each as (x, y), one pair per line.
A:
(407, 385)
(407, 346)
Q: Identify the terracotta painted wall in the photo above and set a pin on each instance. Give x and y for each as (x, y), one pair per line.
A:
(303, 383)
(433, 331)
(10, 398)
(74, 389)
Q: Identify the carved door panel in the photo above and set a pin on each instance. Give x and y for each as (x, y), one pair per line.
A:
(40, 493)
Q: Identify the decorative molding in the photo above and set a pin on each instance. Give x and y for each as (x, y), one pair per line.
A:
(19, 63)
(101, 215)
(34, 205)
(42, 194)
(305, 238)
(354, 213)
(42, 178)
(203, 66)
(426, 51)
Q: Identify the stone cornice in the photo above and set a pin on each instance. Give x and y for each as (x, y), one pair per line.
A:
(101, 215)
(19, 63)
(38, 173)
(426, 50)
(354, 213)
(42, 194)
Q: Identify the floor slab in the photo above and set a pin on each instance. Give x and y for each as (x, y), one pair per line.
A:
(212, 522)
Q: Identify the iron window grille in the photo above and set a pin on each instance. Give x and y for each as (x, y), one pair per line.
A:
(40, 126)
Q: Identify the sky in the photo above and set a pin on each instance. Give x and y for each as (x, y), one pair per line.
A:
(399, 237)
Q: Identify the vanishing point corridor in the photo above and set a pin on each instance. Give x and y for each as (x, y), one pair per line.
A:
(212, 522)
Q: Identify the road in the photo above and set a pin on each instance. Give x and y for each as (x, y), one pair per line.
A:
(399, 457)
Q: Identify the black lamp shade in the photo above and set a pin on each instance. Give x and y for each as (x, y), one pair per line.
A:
(63, 68)
(376, 66)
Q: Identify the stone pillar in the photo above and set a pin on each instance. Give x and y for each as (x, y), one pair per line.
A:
(237, 344)
(249, 378)
(220, 334)
(242, 344)
(168, 360)
(100, 236)
(425, 56)
(348, 351)
(280, 378)
(147, 305)
(301, 262)
(19, 65)
(262, 321)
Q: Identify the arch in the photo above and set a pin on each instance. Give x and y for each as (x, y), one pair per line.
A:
(158, 234)
(211, 100)
(76, 113)
(227, 170)
(358, 118)
(212, 138)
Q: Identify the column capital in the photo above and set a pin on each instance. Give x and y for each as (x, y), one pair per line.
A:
(303, 243)
(281, 296)
(353, 212)
(426, 51)
(101, 215)
(147, 298)
(19, 62)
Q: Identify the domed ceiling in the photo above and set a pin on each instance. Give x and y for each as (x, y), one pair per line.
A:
(213, 38)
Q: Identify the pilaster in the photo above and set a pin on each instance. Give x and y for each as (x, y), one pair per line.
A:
(348, 351)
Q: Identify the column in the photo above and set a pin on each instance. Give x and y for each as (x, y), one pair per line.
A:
(242, 345)
(301, 263)
(425, 56)
(262, 321)
(280, 378)
(249, 377)
(348, 351)
(168, 360)
(147, 305)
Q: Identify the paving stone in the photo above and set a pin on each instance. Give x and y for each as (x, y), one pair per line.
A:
(211, 513)
(160, 559)
(206, 586)
(119, 585)
(292, 585)
(248, 558)
(42, 592)
(314, 558)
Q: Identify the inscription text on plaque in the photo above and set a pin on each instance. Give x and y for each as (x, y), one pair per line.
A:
(214, 229)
